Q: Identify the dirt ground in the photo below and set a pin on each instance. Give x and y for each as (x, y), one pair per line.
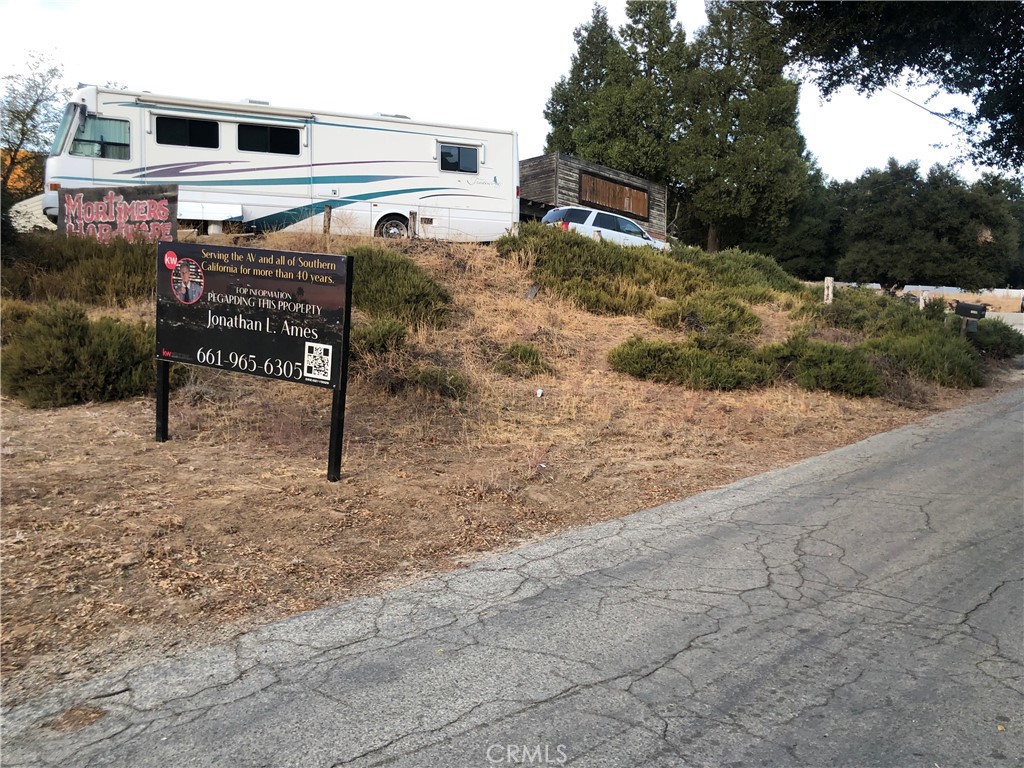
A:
(117, 547)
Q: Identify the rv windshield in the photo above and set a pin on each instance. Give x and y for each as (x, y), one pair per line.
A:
(65, 128)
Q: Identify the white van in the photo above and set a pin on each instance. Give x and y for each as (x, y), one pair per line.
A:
(602, 225)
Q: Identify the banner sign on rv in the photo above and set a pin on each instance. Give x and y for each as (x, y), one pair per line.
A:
(149, 214)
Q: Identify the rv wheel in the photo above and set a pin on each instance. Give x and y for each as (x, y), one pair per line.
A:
(392, 227)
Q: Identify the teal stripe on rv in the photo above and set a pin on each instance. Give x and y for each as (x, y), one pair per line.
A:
(294, 215)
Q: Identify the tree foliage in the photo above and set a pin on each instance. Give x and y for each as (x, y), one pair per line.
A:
(615, 106)
(569, 108)
(901, 228)
(739, 153)
(32, 104)
(715, 120)
(972, 48)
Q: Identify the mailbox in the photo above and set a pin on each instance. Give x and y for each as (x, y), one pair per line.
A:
(972, 311)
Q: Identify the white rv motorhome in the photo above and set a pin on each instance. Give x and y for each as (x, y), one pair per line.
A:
(258, 167)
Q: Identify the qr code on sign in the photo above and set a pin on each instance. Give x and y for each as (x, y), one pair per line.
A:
(317, 364)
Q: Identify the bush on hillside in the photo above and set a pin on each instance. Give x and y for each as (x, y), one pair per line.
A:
(389, 284)
(59, 357)
(838, 369)
(46, 267)
(872, 313)
(714, 312)
(522, 360)
(997, 339)
(819, 365)
(605, 278)
(380, 336)
(599, 276)
(447, 383)
(938, 356)
(687, 365)
(741, 270)
(13, 314)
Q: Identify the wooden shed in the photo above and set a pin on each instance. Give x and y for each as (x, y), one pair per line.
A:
(549, 181)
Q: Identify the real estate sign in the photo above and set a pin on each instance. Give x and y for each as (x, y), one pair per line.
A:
(277, 314)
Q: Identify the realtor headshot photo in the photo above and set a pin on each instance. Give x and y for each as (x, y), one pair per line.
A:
(187, 281)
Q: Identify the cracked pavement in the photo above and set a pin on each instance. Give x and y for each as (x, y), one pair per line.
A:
(862, 608)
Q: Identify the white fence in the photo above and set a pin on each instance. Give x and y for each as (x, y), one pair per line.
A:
(1003, 293)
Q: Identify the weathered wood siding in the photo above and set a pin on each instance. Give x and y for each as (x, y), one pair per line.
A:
(549, 181)
(614, 195)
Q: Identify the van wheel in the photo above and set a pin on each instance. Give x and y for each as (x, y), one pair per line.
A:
(392, 227)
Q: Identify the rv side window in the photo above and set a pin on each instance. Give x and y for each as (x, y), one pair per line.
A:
(268, 138)
(184, 132)
(102, 137)
(459, 159)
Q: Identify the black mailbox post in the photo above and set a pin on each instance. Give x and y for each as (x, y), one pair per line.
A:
(972, 311)
(971, 314)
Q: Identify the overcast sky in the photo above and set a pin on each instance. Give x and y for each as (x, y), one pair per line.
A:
(468, 62)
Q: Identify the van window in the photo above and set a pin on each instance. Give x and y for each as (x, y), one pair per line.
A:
(185, 132)
(459, 159)
(268, 138)
(607, 221)
(102, 137)
(572, 215)
(629, 228)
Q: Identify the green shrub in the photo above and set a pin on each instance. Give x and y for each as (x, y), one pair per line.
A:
(707, 312)
(935, 309)
(382, 335)
(689, 366)
(602, 277)
(47, 267)
(389, 284)
(741, 270)
(61, 358)
(997, 339)
(13, 314)
(521, 359)
(875, 314)
(444, 382)
(117, 362)
(838, 369)
(939, 356)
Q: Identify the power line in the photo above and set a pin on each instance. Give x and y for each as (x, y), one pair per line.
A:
(921, 106)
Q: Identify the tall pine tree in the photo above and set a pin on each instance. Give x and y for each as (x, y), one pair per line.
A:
(569, 108)
(616, 107)
(739, 158)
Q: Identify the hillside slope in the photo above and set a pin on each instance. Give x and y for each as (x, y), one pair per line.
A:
(116, 546)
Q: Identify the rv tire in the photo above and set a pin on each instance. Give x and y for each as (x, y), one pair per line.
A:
(392, 227)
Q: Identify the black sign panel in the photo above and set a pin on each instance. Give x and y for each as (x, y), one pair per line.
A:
(134, 213)
(278, 314)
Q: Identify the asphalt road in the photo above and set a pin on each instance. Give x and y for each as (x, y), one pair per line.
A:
(863, 608)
